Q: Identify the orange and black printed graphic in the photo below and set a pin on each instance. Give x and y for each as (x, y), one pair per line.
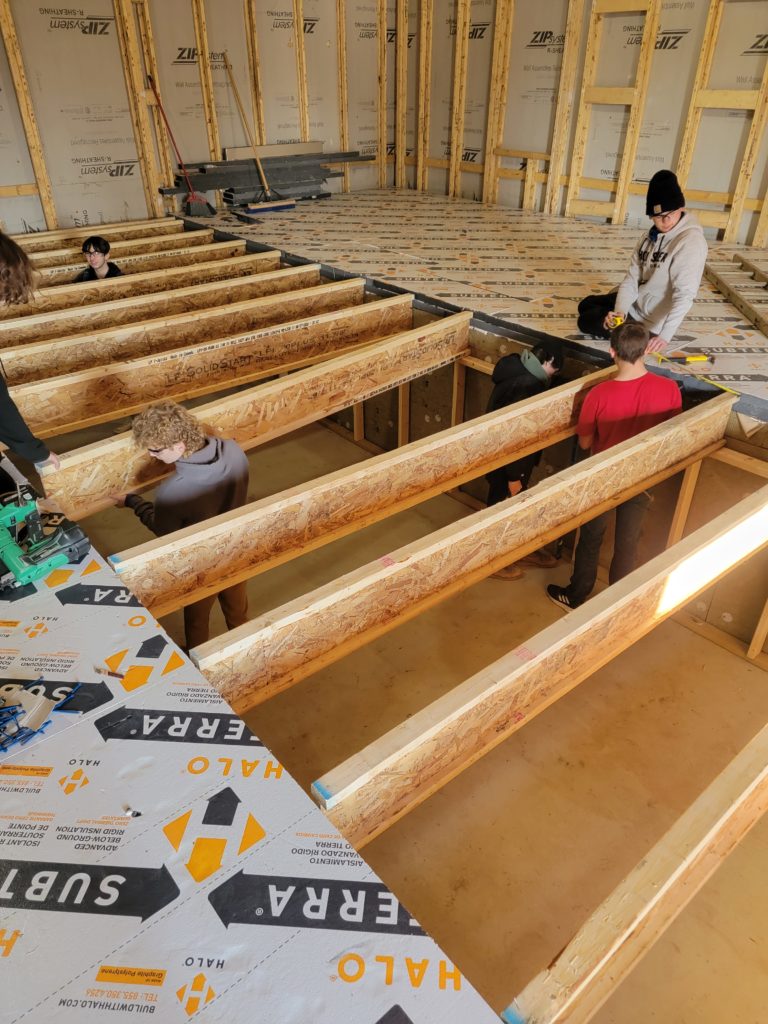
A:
(335, 904)
(227, 831)
(196, 995)
(151, 658)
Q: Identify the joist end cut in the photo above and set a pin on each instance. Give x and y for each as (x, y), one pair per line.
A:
(511, 1016)
(321, 794)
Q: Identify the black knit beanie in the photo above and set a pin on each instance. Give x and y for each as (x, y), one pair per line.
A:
(664, 194)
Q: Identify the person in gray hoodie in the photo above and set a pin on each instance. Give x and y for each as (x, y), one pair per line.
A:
(664, 273)
(211, 477)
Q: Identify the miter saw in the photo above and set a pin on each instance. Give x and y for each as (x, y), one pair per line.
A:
(33, 542)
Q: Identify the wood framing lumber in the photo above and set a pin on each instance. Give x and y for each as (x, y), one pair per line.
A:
(89, 475)
(377, 786)
(190, 298)
(62, 404)
(276, 650)
(38, 360)
(35, 241)
(639, 910)
(187, 565)
(143, 262)
(129, 247)
(88, 293)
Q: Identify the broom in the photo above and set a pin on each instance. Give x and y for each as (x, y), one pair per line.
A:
(195, 204)
(268, 199)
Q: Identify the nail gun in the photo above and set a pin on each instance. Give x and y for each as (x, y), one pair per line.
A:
(32, 543)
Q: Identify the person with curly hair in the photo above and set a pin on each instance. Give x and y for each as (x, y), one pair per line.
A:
(17, 285)
(210, 477)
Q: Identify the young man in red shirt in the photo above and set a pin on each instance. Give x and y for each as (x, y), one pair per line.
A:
(633, 401)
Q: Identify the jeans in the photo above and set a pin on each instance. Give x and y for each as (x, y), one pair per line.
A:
(234, 604)
(593, 311)
(629, 526)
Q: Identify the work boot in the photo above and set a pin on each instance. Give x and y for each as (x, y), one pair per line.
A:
(509, 572)
(541, 559)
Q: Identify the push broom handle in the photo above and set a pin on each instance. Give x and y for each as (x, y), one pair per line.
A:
(184, 171)
(246, 126)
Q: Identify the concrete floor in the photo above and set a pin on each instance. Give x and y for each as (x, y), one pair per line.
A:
(504, 864)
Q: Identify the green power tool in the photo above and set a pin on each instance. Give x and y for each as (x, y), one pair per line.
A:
(32, 543)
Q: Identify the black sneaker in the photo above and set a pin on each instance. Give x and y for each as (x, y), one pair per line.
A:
(560, 597)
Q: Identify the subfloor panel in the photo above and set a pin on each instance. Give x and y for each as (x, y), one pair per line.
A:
(524, 268)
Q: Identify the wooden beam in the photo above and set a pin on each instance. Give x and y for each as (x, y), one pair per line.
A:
(149, 54)
(38, 360)
(459, 95)
(301, 69)
(273, 652)
(88, 293)
(343, 85)
(206, 79)
(254, 67)
(564, 110)
(425, 91)
(758, 467)
(123, 247)
(404, 414)
(185, 566)
(72, 401)
(35, 241)
(27, 113)
(497, 97)
(640, 909)
(135, 84)
(89, 475)
(683, 506)
(146, 261)
(25, 188)
(381, 105)
(209, 295)
(703, 68)
(374, 788)
(401, 89)
(757, 642)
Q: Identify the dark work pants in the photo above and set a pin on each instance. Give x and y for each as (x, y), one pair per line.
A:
(498, 489)
(234, 604)
(629, 525)
(592, 313)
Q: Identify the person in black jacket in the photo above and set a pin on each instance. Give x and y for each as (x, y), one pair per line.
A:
(96, 251)
(516, 377)
(17, 286)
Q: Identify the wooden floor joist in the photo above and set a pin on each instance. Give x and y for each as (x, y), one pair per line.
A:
(37, 241)
(38, 360)
(63, 404)
(88, 293)
(130, 247)
(636, 914)
(185, 566)
(276, 650)
(373, 789)
(143, 262)
(89, 475)
(190, 298)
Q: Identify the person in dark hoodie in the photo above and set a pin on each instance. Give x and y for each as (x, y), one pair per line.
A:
(17, 281)
(516, 377)
(664, 273)
(211, 477)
